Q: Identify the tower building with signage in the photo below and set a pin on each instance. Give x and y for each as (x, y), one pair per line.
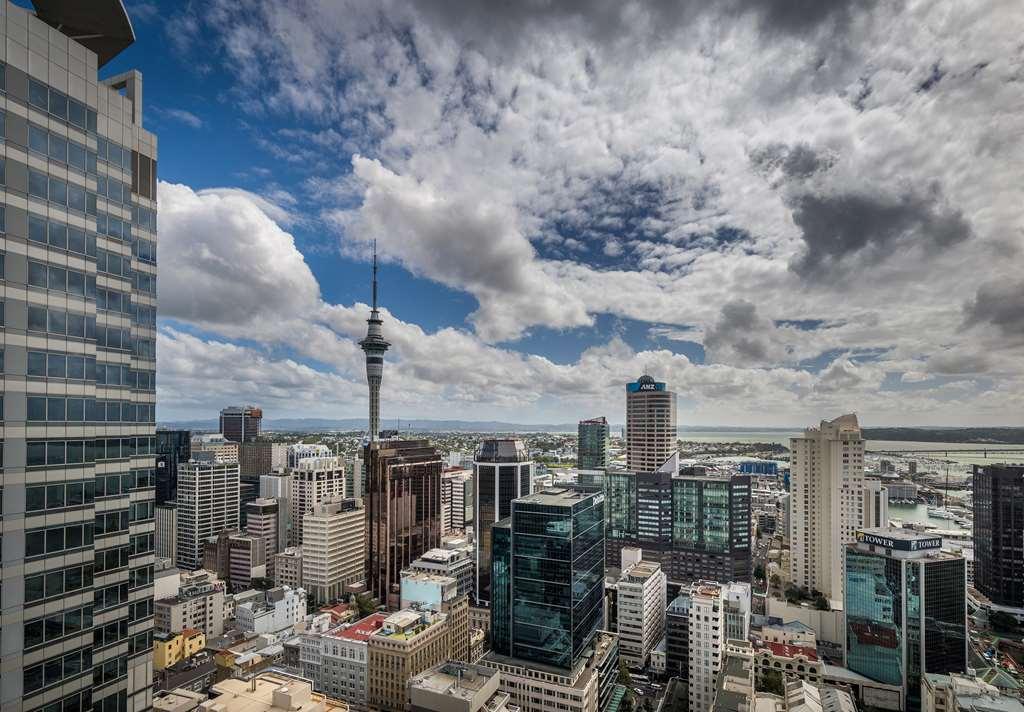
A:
(906, 612)
(502, 472)
(650, 424)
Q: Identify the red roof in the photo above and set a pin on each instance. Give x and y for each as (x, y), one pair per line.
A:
(364, 628)
(788, 651)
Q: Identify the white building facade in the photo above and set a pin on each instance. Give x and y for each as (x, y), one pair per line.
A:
(313, 480)
(207, 505)
(641, 611)
(334, 548)
(718, 612)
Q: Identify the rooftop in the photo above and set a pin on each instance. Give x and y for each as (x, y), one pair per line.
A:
(272, 692)
(553, 497)
(102, 26)
(789, 651)
(455, 679)
(363, 629)
(643, 570)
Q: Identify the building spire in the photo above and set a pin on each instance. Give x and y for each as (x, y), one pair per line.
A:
(375, 274)
(374, 346)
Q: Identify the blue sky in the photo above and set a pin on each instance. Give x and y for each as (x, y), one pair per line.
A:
(784, 216)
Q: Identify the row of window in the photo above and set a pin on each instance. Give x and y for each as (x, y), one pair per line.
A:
(56, 626)
(113, 190)
(58, 583)
(59, 148)
(88, 410)
(142, 544)
(59, 669)
(67, 195)
(109, 300)
(40, 542)
(60, 279)
(110, 670)
(78, 702)
(62, 323)
(144, 217)
(110, 633)
(61, 236)
(142, 576)
(144, 282)
(39, 498)
(84, 368)
(140, 511)
(113, 263)
(112, 226)
(61, 106)
(111, 522)
(72, 452)
(109, 596)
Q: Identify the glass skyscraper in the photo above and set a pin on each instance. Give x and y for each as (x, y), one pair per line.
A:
(502, 471)
(548, 568)
(998, 533)
(78, 330)
(905, 609)
(696, 524)
(592, 451)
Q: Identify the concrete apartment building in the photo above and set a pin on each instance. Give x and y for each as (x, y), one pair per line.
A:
(407, 643)
(876, 504)
(199, 604)
(336, 659)
(640, 607)
(207, 505)
(278, 487)
(78, 237)
(650, 424)
(333, 548)
(826, 503)
(718, 613)
(313, 480)
(457, 687)
(214, 445)
(279, 610)
(261, 457)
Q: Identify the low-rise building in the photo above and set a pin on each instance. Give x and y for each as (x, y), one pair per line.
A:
(171, 648)
(964, 693)
(407, 643)
(281, 608)
(457, 687)
(587, 687)
(457, 563)
(177, 700)
(271, 692)
(199, 604)
(336, 659)
(288, 567)
(195, 674)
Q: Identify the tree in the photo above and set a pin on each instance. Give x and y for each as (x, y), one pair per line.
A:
(624, 678)
(793, 594)
(821, 603)
(771, 682)
(776, 581)
(366, 604)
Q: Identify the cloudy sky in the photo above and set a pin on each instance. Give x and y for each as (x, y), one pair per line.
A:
(785, 210)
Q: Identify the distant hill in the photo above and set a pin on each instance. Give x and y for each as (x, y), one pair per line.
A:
(995, 436)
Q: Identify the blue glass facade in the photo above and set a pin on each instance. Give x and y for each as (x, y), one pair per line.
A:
(905, 614)
(555, 578)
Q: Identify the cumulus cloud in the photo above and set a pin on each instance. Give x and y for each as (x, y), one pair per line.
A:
(737, 167)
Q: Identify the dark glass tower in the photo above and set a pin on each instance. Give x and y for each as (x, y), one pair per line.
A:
(696, 524)
(403, 511)
(502, 471)
(172, 447)
(241, 424)
(553, 548)
(905, 609)
(999, 533)
(592, 451)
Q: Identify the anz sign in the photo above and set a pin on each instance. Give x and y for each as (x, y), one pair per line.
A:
(647, 386)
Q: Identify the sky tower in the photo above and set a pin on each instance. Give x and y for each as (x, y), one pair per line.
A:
(374, 347)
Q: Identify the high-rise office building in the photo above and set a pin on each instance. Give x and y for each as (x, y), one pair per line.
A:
(403, 510)
(696, 523)
(999, 534)
(236, 557)
(826, 503)
(333, 548)
(262, 520)
(677, 636)
(78, 223)
(207, 505)
(650, 424)
(592, 451)
(313, 480)
(550, 555)
(260, 457)
(172, 447)
(374, 346)
(502, 472)
(457, 506)
(241, 424)
(718, 613)
(906, 609)
(278, 487)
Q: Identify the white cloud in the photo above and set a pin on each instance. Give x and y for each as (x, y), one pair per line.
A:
(182, 116)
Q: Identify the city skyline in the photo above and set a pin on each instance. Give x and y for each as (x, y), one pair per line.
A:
(571, 219)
